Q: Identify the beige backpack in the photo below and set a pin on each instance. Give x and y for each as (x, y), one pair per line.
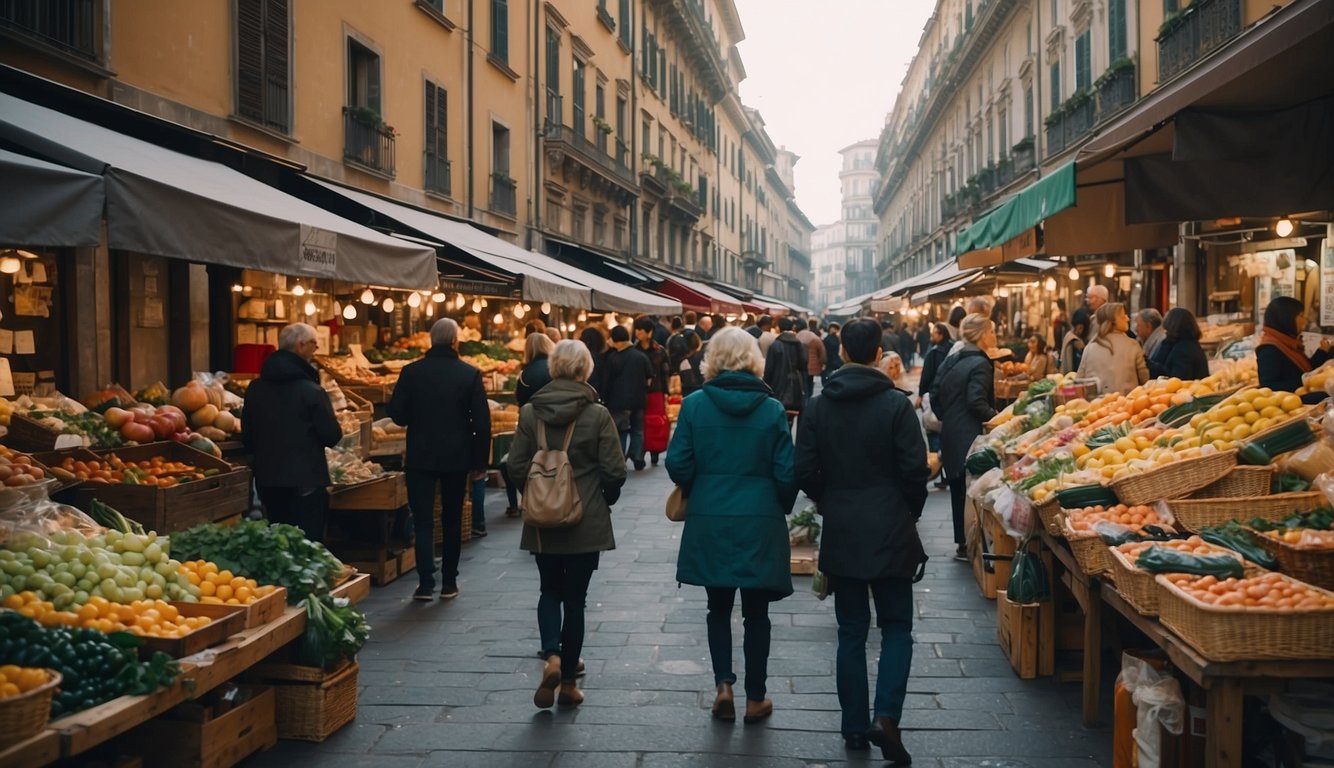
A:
(550, 498)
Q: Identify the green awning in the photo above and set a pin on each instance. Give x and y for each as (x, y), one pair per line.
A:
(1044, 197)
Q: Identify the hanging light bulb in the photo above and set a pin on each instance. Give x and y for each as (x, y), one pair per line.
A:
(298, 291)
(236, 288)
(438, 297)
(414, 300)
(498, 319)
(546, 307)
(477, 305)
(458, 297)
(388, 304)
(1050, 284)
(1109, 269)
(527, 307)
(1284, 227)
(350, 312)
(484, 302)
(9, 265)
(1003, 293)
(583, 317)
(519, 311)
(1074, 274)
(310, 307)
(430, 310)
(368, 296)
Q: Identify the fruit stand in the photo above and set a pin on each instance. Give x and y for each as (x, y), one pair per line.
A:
(1169, 505)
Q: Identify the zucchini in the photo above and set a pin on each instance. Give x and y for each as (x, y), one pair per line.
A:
(1260, 450)
(980, 462)
(1081, 496)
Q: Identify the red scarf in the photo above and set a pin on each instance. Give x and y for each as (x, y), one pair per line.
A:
(1290, 346)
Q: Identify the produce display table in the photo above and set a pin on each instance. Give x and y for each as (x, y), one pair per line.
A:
(1226, 684)
(75, 734)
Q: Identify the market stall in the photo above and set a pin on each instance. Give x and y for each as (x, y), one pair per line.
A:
(1195, 510)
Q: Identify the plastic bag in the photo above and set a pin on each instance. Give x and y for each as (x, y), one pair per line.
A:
(1020, 523)
(1325, 484)
(983, 485)
(1164, 560)
(34, 518)
(1028, 579)
(1157, 698)
(218, 381)
(1307, 709)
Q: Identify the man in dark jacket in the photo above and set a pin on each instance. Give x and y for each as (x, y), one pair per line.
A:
(785, 366)
(861, 458)
(889, 339)
(832, 360)
(629, 374)
(287, 423)
(442, 402)
(657, 388)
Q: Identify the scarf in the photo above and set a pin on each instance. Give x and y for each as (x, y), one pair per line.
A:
(1290, 346)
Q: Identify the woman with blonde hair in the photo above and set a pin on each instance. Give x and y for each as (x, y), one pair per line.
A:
(567, 413)
(732, 456)
(535, 374)
(1113, 357)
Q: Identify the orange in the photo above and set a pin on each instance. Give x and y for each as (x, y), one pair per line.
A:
(14, 602)
(224, 591)
(207, 588)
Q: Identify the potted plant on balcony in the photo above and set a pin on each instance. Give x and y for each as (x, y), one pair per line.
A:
(601, 124)
(1116, 86)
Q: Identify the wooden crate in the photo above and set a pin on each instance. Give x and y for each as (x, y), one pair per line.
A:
(181, 506)
(387, 492)
(805, 558)
(311, 703)
(1017, 633)
(266, 609)
(992, 573)
(29, 435)
(227, 620)
(190, 736)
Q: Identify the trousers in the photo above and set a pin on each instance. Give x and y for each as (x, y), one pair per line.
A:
(308, 511)
(756, 630)
(422, 488)
(893, 611)
(560, 606)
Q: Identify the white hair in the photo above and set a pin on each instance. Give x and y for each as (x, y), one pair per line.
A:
(292, 335)
(444, 332)
(570, 359)
(732, 349)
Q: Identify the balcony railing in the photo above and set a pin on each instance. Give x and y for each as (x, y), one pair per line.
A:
(1022, 157)
(1116, 91)
(367, 141)
(589, 153)
(437, 174)
(71, 25)
(1069, 122)
(1192, 33)
(503, 195)
(555, 113)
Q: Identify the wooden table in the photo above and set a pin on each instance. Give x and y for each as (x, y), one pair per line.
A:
(80, 732)
(1226, 684)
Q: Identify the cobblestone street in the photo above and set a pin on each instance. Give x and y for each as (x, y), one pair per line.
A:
(450, 683)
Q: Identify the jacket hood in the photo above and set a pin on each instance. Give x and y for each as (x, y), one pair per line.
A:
(443, 350)
(561, 401)
(287, 366)
(736, 393)
(856, 382)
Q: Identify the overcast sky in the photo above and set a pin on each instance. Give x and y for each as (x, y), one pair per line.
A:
(824, 73)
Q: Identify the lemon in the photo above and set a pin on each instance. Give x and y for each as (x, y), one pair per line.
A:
(1079, 450)
(1290, 403)
(1124, 444)
(1226, 413)
(1240, 432)
(1252, 417)
(1271, 412)
(1261, 424)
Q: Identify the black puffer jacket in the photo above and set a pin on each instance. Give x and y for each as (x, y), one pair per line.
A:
(962, 398)
(442, 402)
(287, 423)
(534, 376)
(861, 457)
(627, 381)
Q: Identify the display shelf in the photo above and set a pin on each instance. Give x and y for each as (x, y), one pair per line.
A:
(41, 749)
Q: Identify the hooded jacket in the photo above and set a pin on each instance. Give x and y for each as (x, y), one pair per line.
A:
(861, 457)
(442, 402)
(287, 423)
(785, 355)
(627, 381)
(731, 454)
(595, 456)
(534, 376)
(962, 397)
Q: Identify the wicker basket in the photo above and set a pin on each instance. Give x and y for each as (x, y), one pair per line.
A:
(1050, 513)
(1090, 551)
(1308, 564)
(1197, 514)
(311, 703)
(1138, 587)
(1174, 481)
(1236, 633)
(24, 715)
(1240, 481)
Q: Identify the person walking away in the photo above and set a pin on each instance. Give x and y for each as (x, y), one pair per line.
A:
(532, 377)
(287, 423)
(1038, 362)
(1149, 331)
(1072, 347)
(832, 361)
(963, 398)
(935, 355)
(691, 367)
(785, 368)
(1280, 356)
(566, 413)
(861, 458)
(656, 428)
(907, 343)
(731, 455)
(1113, 357)
(752, 326)
(955, 319)
(629, 374)
(889, 339)
(923, 340)
(595, 339)
(1180, 354)
(768, 334)
(441, 401)
(676, 343)
(809, 336)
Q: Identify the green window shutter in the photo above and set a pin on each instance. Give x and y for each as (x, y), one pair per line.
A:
(500, 30)
(1116, 29)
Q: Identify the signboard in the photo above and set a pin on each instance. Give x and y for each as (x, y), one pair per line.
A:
(319, 252)
(1285, 271)
(474, 287)
(1021, 246)
(1327, 281)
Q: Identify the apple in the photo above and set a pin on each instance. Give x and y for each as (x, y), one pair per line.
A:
(137, 432)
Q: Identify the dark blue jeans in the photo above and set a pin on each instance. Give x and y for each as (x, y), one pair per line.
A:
(564, 583)
(632, 442)
(755, 643)
(893, 611)
(478, 494)
(421, 500)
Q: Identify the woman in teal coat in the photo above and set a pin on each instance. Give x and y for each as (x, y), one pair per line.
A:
(732, 456)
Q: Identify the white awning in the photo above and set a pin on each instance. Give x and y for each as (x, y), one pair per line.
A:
(166, 203)
(46, 204)
(947, 287)
(608, 295)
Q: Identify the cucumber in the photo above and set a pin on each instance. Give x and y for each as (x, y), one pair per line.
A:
(1287, 437)
(1081, 496)
(981, 462)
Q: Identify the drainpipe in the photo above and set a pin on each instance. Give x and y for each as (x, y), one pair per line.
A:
(534, 67)
(468, 111)
(633, 123)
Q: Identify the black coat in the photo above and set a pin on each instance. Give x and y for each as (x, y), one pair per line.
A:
(287, 423)
(657, 361)
(1182, 358)
(628, 375)
(786, 354)
(931, 360)
(442, 402)
(962, 398)
(534, 376)
(861, 458)
(1278, 372)
(832, 361)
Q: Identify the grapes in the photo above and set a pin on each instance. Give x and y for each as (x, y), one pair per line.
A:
(68, 569)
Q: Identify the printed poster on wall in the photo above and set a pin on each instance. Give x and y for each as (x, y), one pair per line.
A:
(1285, 271)
(1326, 282)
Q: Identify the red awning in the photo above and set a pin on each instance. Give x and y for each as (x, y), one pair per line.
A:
(698, 296)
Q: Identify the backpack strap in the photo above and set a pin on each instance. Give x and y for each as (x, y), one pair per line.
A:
(541, 435)
(569, 435)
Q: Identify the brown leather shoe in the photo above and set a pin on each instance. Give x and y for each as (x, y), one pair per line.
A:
(546, 690)
(570, 695)
(758, 710)
(723, 707)
(885, 734)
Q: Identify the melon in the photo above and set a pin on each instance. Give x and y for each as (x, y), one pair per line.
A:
(204, 416)
(190, 397)
(225, 421)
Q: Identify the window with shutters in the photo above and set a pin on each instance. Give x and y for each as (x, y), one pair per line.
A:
(1028, 111)
(71, 27)
(503, 187)
(1055, 79)
(627, 35)
(577, 96)
(263, 71)
(1083, 61)
(1116, 29)
(437, 171)
(600, 109)
(500, 30)
(368, 141)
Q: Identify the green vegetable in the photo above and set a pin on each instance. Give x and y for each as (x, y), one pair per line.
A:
(1028, 579)
(1289, 437)
(334, 631)
(981, 462)
(1236, 538)
(806, 518)
(107, 517)
(1081, 496)
(270, 554)
(1164, 560)
(1318, 520)
(1286, 482)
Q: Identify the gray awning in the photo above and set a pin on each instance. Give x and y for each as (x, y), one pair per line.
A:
(167, 203)
(537, 284)
(46, 204)
(608, 295)
(946, 288)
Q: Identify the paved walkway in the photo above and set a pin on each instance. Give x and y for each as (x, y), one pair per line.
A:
(450, 683)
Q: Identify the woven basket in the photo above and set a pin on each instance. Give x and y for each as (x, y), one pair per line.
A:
(1313, 566)
(1090, 551)
(1049, 511)
(1174, 481)
(1236, 633)
(1240, 481)
(1138, 587)
(24, 715)
(311, 703)
(1197, 514)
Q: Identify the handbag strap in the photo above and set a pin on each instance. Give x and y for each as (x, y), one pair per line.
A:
(569, 435)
